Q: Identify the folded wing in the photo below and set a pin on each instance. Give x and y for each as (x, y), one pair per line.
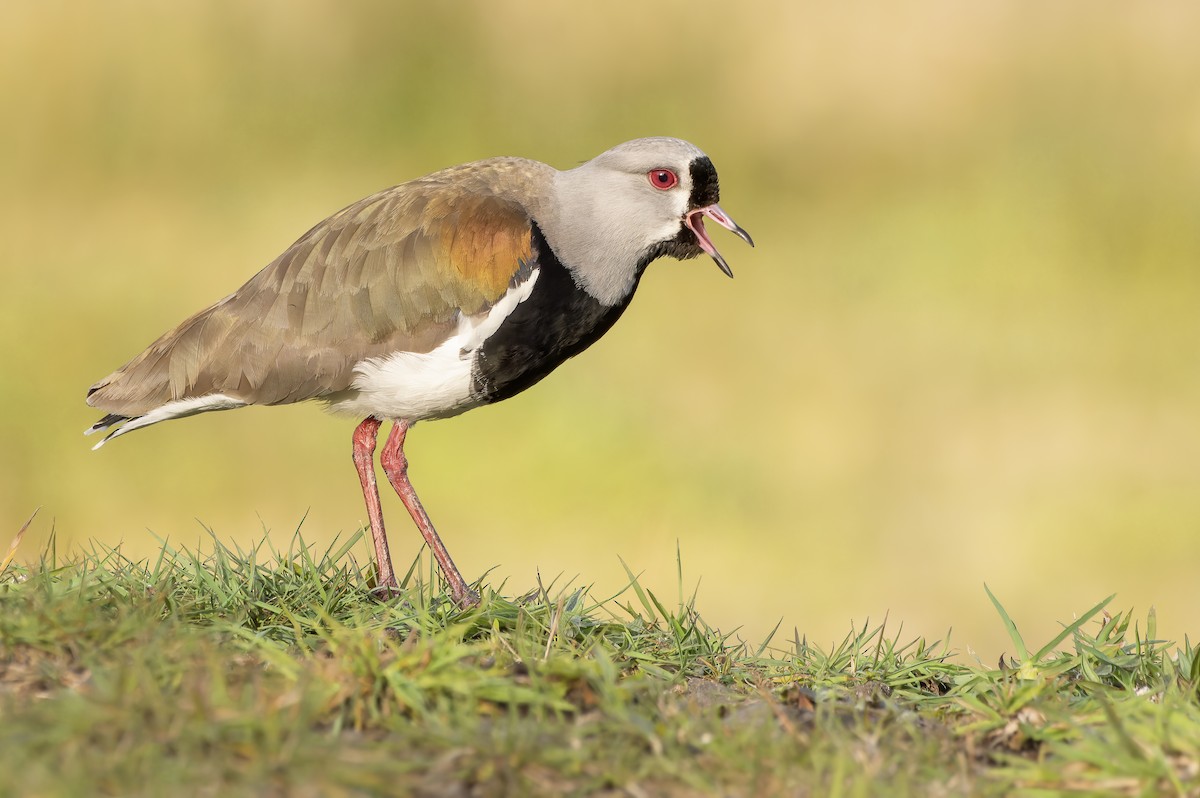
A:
(392, 272)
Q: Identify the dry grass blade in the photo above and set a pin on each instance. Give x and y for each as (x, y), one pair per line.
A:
(12, 548)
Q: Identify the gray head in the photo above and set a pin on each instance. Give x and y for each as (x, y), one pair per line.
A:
(639, 201)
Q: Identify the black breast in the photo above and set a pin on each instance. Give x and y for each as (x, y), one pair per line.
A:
(557, 321)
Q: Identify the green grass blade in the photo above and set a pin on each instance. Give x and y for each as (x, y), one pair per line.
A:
(1072, 628)
(1013, 634)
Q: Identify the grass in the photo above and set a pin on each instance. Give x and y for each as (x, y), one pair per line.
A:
(263, 672)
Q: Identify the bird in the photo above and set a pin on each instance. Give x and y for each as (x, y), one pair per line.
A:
(445, 293)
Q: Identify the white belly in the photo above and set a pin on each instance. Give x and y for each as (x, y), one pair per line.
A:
(422, 385)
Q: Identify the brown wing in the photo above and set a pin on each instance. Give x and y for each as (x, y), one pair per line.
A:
(389, 273)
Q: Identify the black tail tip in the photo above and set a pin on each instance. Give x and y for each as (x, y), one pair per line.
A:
(106, 422)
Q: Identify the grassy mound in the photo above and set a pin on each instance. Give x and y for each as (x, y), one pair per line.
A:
(276, 673)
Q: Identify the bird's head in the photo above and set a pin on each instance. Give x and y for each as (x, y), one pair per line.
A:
(637, 202)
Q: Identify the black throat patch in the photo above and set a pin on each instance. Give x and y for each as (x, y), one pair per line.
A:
(705, 190)
(557, 321)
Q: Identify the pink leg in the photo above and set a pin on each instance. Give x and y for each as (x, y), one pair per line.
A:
(364, 461)
(395, 465)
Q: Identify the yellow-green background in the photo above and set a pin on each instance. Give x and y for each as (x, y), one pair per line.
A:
(965, 350)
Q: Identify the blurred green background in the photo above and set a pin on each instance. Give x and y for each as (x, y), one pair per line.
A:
(965, 350)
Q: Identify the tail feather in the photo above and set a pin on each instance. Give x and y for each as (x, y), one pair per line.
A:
(180, 408)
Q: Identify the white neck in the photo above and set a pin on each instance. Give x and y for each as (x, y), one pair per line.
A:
(601, 225)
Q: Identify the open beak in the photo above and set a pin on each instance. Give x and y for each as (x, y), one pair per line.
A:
(695, 223)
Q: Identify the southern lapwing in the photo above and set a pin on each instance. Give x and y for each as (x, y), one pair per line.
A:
(430, 298)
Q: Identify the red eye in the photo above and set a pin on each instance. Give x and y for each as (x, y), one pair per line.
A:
(662, 178)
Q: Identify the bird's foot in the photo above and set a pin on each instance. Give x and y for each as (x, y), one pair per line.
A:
(465, 597)
(385, 592)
